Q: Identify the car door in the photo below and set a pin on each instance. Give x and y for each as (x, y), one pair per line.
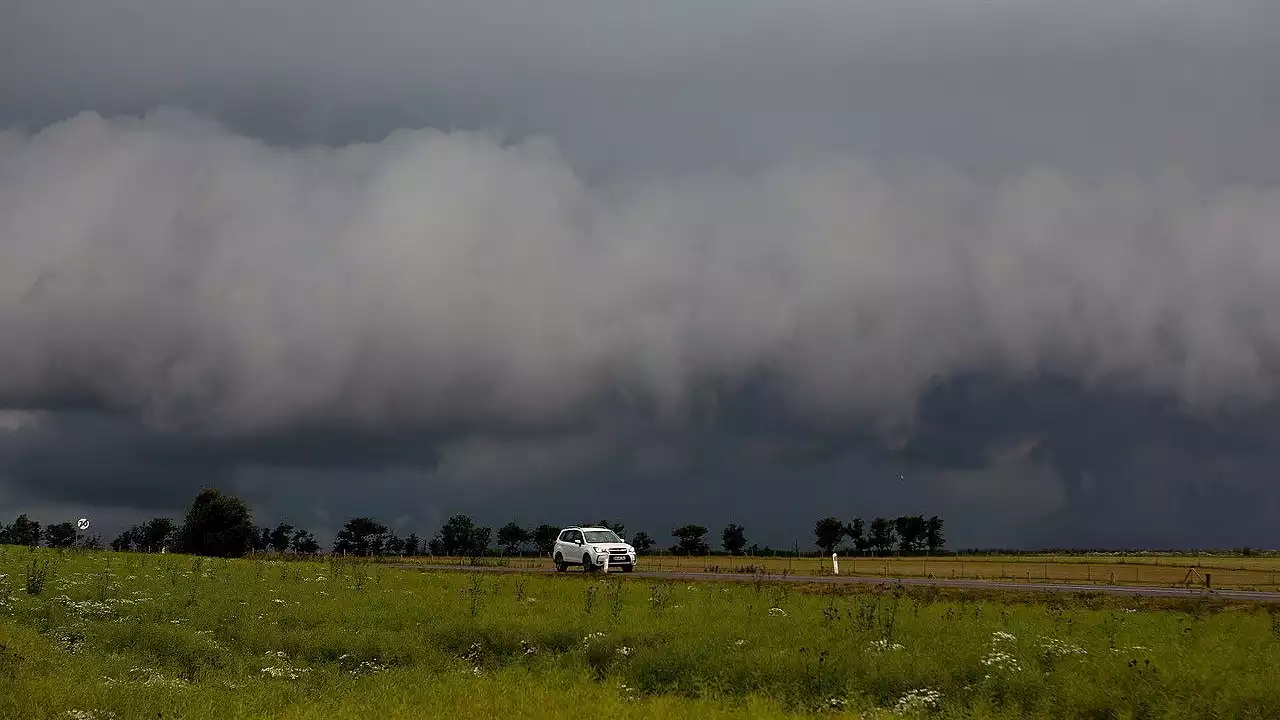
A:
(573, 548)
(566, 547)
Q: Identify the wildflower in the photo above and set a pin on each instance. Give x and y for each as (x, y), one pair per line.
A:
(624, 650)
(884, 645)
(91, 715)
(1000, 660)
(1053, 646)
(917, 701)
(291, 673)
(777, 612)
(1002, 636)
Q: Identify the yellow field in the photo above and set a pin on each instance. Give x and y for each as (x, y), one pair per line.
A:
(1246, 573)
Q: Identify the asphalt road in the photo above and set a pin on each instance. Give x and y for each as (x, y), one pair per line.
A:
(1132, 591)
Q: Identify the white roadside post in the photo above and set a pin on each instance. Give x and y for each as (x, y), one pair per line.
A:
(835, 564)
(606, 563)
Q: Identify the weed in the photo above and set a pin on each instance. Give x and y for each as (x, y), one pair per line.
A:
(615, 600)
(659, 597)
(38, 572)
(475, 591)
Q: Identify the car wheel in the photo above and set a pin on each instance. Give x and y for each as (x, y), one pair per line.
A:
(586, 564)
(560, 564)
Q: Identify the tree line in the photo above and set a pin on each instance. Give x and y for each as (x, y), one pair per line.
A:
(221, 525)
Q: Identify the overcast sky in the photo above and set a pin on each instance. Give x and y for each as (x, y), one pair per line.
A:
(1013, 263)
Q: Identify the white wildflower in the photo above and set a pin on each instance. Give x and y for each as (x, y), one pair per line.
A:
(1054, 646)
(777, 612)
(917, 701)
(884, 645)
(1000, 660)
(91, 715)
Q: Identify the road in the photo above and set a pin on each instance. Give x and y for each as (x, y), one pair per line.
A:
(1123, 590)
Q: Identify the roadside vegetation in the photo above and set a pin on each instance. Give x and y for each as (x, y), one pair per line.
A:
(91, 634)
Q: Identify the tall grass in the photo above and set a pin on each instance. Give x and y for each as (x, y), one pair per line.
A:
(172, 636)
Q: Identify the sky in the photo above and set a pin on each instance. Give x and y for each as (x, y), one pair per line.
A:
(1014, 264)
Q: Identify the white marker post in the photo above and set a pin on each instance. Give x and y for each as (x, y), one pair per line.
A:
(81, 525)
(835, 564)
(606, 563)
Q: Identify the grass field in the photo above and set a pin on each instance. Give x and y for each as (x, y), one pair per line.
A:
(170, 636)
(1241, 573)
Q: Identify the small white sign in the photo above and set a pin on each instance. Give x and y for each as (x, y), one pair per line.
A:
(83, 523)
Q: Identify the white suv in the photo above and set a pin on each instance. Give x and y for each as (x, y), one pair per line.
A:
(589, 546)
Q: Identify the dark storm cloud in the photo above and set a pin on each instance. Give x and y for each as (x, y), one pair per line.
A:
(198, 279)
(655, 85)
(721, 248)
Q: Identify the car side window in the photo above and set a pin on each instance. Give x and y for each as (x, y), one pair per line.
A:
(566, 536)
(575, 536)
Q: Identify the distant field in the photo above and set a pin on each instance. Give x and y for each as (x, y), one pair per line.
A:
(168, 636)
(1245, 573)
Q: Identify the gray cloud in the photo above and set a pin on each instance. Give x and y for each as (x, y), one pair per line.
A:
(465, 251)
(985, 85)
(167, 268)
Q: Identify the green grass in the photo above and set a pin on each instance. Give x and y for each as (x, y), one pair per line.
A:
(147, 636)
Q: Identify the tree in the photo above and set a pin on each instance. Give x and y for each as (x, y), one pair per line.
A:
(280, 537)
(855, 532)
(61, 535)
(394, 545)
(479, 543)
(642, 542)
(881, 535)
(123, 541)
(618, 528)
(511, 536)
(910, 531)
(411, 545)
(435, 546)
(90, 542)
(828, 531)
(460, 535)
(261, 539)
(934, 539)
(733, 538)
(23, 531)
(304, 543)
(690, 540)
(156, 533)
(217, 525)
(544, 537)
(361, 536)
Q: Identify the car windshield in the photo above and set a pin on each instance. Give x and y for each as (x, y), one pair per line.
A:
(601, 536)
